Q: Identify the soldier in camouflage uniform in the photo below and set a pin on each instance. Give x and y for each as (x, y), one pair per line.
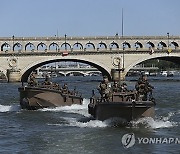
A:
(124, 87)
(104, 89)
(47, 80)
(65, 89)
(32, 81)
(115, 87)
(143, 88)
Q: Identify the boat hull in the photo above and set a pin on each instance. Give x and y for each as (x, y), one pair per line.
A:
(34, 98)
(125, 110)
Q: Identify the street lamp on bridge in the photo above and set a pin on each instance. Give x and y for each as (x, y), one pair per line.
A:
(13, 43)
(65, 42)
(168, 39)
(169, 50)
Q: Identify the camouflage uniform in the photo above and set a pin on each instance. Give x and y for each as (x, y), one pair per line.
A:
(32, 80)
(124, 87)
(65, 89)
(104, 89)
(115, 87)
(47, 80)
(143, 87)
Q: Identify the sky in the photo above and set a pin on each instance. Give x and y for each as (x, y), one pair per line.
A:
(38, 18)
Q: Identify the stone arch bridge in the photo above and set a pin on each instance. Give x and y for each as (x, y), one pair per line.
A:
(19, 56)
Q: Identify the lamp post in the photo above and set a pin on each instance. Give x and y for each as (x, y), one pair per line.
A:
(119, 70)
(123, 55)
(169, 50)
(123, 35)
(13, 42)
(65, 42)
(168, 39)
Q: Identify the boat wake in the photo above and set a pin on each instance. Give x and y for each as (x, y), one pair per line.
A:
(84, 122)
(76, 108)
(10, 108)
(149, 122)
(87, 122)
(159, 122)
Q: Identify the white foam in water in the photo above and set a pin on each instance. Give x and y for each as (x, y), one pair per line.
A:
(155, 124)
(95, 123)
(88, 124)
(83, 110)
(178, 112)
(9, 108)
(170, 114)
(79, 109)
(75, 108)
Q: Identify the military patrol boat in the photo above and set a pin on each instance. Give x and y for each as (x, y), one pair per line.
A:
(35, 96)
(117, 101)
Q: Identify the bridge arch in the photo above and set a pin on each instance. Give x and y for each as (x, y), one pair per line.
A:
(75, 73)
(150, 45)
(65, 46)
(78, 46)
(17, 47)
(102, 45)
(41, 47)
(174, 59)
(90, 45)
(175, 44)
(161, 45)
(61, 74)
(53, 47)
(114, 45)
(5, 47)
(29, 47)
(27, 71)
(138, 45)
(126, 45)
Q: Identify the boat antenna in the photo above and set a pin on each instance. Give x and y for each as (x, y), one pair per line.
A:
(65, 36)
(119, 69)
(123, 34)
(122, 23)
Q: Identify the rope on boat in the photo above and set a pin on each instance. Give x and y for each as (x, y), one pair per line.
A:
(39, 105)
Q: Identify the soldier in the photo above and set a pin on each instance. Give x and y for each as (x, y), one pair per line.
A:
(32, 80)
(124, 87)
(115, 87)
(65, 89)
(104, 89)
(74, 92)
(47, 80)
(143, 87)
(56, 86)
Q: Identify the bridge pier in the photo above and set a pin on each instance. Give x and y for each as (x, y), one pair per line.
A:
(117, 74)
(13, 75)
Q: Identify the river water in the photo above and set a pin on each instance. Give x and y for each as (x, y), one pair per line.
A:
(72, 130)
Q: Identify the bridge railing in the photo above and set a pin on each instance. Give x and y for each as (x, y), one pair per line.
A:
(88, 38)
(71, 51)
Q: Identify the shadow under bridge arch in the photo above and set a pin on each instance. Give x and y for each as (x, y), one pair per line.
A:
(26, 72)
(174, 59)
